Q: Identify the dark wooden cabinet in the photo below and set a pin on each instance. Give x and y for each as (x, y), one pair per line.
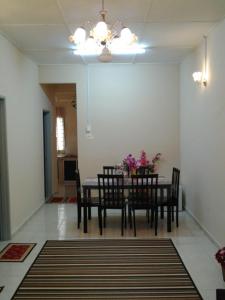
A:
(70, 167)
(66, 169)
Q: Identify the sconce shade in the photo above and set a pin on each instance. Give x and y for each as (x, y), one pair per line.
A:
(201, 77)
(197, 76)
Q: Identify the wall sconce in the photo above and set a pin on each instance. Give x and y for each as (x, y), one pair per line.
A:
(201, 77)
(197, 77)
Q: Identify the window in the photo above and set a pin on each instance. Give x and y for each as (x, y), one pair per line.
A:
(60, 135)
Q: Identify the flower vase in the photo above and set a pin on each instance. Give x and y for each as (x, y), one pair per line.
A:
(125, 173)
(223, 272)
(133, 172)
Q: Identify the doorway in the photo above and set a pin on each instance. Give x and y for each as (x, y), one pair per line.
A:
(5, 230)
(63, 139)
(47, 154)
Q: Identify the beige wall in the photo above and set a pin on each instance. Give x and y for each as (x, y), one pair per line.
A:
(25, 102)
(131, 107)
(202, 136)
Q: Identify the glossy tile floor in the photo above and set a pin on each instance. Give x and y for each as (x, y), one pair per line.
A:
(55, 221)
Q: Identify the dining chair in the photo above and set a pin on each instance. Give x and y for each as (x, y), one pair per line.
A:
(111, 196)
(91, 201)
(108, 170)
(143, 196)
(171, 200)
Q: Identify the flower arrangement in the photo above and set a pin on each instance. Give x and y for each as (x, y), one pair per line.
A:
(155, 160)
(130, 164)
(220, 256)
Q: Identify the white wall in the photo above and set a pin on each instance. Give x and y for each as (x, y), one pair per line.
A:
(132, 107)
(25, 101)
(202, 135)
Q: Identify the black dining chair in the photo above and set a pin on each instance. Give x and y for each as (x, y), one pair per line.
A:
(109, 170)
(143, 196)
(111, 196)
(91, 201)
(171, 200)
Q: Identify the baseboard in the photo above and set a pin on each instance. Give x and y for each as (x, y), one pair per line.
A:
(27, 219)
(210, 236)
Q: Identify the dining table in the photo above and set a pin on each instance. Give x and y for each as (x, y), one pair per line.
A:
(91, 184)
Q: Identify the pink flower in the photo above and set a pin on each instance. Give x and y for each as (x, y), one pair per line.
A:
(220, 256)
(130, 163)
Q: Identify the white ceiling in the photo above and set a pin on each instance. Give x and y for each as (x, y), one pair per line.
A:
(169, 28)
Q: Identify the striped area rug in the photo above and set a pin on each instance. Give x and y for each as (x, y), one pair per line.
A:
(108, 269)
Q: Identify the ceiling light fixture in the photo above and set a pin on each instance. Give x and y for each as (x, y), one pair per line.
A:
(104, 40)
(202, 77)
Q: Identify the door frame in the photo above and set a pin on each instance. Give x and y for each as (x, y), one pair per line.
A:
(47, 150)
(5, 224)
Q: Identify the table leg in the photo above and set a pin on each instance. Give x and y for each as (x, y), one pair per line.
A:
(169, 218)
(85, 195)
(161, 200)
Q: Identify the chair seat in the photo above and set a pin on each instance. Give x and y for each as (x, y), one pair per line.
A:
(165, 201)
(137, 204)
(141, 207)
(111, 204)
(94, 201)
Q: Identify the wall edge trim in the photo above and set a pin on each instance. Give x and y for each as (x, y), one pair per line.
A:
(27, 219)
(209, 235)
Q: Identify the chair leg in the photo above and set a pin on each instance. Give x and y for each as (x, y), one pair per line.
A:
(152, 217)
(104, 224)
(100, 219)
(89, 212)
(177, 214)
(156, 220)
(168, 218)
(148, 216)
(122, 220)
(78, 216)
(134, 222)
(130, 216)
(125, 216)
(172, 213)
(162, 212)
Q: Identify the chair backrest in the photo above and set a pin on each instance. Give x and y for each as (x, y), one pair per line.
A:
(175, 184)
(108, 170)
(144, 188)
(143, 170)
(78, 186)
(77, 178)
(111, 190)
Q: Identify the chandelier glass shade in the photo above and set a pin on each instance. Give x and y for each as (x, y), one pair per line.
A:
(105, 40)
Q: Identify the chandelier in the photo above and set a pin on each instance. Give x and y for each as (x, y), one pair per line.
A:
(104, 40)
